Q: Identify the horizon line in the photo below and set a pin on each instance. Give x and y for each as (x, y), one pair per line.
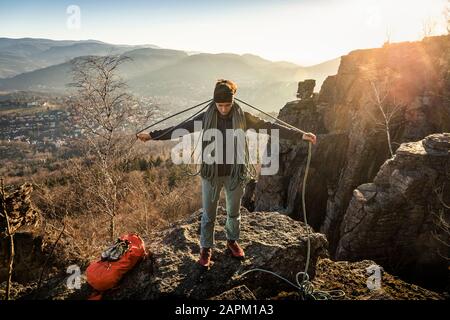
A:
(184, 50)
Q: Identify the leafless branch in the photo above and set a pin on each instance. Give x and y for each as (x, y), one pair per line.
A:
(382, 100)
(106, 110)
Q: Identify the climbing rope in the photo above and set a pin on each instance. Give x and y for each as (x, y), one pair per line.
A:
(184, 121)
(182, 111)
(272, 117)
(169, 117)
(305, 287)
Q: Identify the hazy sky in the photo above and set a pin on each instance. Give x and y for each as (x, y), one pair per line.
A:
(302, 31)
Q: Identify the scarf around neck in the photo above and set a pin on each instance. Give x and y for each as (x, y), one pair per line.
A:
(239, 171)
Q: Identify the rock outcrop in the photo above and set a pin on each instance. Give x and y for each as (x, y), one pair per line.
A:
(306, 89)
(271, 241)
(395, 219)
(418, 77)
(351, 148)
(21, 212)
(278, 192)
(24, 220)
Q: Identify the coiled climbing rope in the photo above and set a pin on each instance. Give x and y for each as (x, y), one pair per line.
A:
(305, 287)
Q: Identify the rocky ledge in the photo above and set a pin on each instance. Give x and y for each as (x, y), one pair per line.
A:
(272, 241)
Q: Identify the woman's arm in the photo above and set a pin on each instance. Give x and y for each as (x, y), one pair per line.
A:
(166, 134)
(256, 123)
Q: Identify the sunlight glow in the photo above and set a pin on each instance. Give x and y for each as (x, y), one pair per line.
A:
(305, 31)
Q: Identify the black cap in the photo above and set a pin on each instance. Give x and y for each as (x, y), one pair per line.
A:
(224, 91)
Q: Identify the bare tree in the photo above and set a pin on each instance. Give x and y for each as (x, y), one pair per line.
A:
(447, 16)
(428, 27)
(383, 107)
(388, 35)
(108, 117)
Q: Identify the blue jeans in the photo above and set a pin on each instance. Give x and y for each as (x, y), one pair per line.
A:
(233, 204)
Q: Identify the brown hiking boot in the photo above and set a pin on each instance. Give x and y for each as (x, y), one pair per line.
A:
(205, 257)
(235, 248)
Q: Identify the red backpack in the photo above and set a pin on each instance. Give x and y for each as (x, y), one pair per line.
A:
(103, 275)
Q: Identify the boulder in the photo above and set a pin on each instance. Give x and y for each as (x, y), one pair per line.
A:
(306, 89)
(394, 220)
(271, 241)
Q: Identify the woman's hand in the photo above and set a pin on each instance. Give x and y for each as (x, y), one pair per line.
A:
(144, 136)
(310, 137)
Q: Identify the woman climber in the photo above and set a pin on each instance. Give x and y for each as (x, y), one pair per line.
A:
(224, 113)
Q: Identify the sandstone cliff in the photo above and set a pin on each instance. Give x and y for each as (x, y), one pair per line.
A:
(396, 218)
(411, 78)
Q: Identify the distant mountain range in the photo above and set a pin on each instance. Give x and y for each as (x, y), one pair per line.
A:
(44, 65)
(28, 54)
